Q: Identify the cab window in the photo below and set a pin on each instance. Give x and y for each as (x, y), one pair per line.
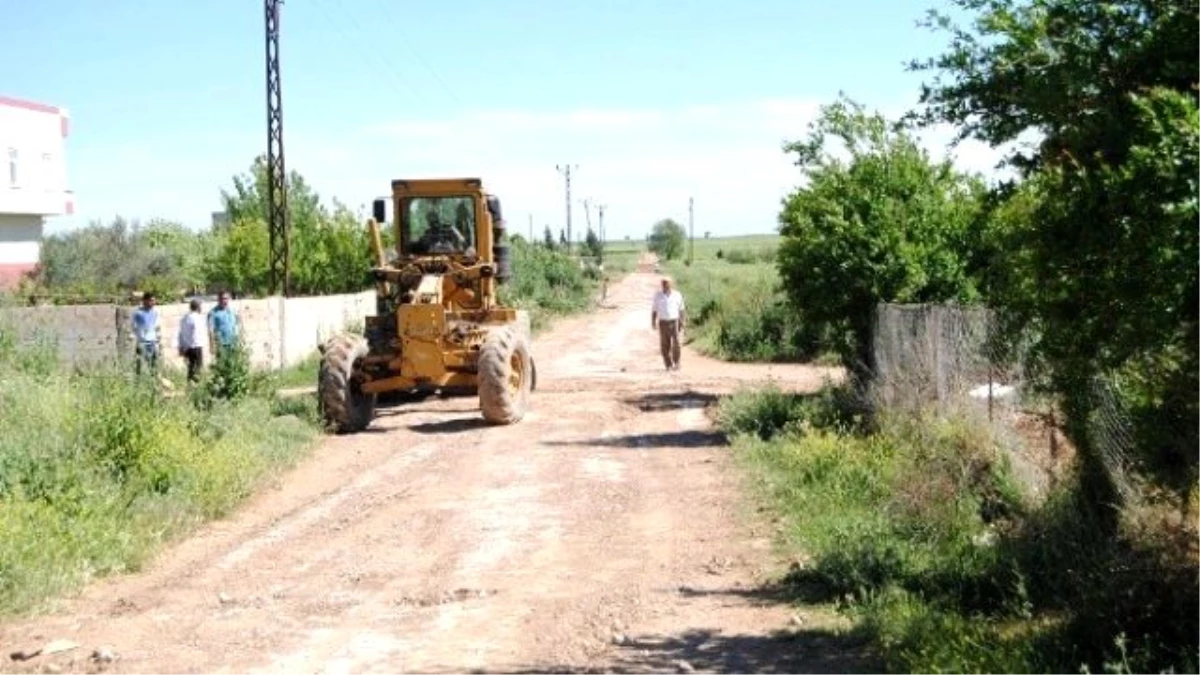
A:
(437, 225)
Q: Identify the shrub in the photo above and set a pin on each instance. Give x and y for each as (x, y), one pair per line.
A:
(97, 468)
(915, 526)
(546, 282)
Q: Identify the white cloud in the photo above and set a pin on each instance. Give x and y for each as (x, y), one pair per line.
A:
(643, 164)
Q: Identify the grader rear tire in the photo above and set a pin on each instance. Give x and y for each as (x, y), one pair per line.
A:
(505, 376)
(344, 407)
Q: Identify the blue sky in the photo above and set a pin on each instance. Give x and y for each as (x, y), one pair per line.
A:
(655, 101)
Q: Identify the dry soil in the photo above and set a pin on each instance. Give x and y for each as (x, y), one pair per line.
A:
(608, 531)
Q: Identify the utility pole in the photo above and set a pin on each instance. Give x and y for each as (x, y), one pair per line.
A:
(277, 219)
(565, 170)
(531, 229)
(691, 234)
(603, 241)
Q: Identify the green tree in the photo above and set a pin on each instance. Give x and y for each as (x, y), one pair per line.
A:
(240, 260)
(592, 245)
(888, 224)
(330, 249)
(548, 239)
(1109, 244)
(120, 256)
(666, 239)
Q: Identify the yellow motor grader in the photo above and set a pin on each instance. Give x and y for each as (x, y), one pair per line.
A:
(438, 325)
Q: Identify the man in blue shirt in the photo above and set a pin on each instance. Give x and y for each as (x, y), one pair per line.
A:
(145, 332)
(222, 325)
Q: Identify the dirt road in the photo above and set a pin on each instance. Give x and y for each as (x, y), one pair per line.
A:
(605, 532)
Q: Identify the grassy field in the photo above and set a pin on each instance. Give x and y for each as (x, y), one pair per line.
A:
(736, 310)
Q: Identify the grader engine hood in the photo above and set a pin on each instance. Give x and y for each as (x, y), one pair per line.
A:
(421, 328)
(428, 290)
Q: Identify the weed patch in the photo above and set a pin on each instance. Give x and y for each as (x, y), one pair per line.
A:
(913, 526)
(99, 468)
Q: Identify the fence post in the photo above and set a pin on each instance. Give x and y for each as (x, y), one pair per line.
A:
(991, 369)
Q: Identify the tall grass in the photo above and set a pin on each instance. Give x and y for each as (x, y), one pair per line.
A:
(548, 283)
(737, 311)
(914, 527)
(98, 468)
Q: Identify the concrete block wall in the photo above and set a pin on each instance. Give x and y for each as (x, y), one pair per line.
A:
(83, 333)
(310, 321)
(279, 332)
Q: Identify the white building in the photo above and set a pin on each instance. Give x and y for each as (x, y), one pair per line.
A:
(33, 181)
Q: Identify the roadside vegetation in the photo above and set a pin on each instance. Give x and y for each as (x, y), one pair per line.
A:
(916, 528)
(99, 467)
(913, 524)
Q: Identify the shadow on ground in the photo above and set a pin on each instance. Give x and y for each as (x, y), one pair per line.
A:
(670, 400)
(672, 439)
(799, 585)
(707, 651)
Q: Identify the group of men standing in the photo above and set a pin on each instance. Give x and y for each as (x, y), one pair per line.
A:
(219, 332)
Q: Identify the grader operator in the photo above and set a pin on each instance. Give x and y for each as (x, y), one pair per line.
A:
(439, 325)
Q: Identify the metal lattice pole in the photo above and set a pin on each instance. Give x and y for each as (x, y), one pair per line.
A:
(277, 216)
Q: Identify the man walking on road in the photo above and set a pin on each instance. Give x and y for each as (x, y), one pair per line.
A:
(190, 345)
(668, 316)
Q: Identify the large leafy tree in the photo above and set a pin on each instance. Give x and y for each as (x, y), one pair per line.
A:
(877, 221)
(330, 251)
(667, 238)
(1108, 242)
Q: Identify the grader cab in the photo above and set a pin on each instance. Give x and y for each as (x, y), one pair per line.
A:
(438, 326)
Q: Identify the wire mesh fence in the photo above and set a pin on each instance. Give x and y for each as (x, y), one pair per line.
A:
(952, 360)
(942, 356)
(955, 360)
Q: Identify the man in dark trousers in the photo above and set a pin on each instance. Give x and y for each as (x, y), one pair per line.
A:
(191, 340)
(668, 316)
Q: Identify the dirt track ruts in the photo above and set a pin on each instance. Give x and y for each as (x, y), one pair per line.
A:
(608, 531)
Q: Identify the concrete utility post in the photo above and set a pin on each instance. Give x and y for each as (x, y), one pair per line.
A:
(603, 241)
(691, 234)
(565, 170)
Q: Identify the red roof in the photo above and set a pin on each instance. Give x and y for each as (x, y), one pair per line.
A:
(28, 105)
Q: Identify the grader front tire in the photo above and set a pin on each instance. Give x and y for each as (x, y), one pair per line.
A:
(505, 376)
(344, 407)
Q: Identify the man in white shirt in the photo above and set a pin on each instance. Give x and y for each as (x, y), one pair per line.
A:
(668, 316)
(190, 340)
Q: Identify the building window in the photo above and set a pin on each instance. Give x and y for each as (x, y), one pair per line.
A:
(12, 167)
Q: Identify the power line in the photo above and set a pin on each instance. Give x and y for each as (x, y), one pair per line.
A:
(398, 27)
(378, 61)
